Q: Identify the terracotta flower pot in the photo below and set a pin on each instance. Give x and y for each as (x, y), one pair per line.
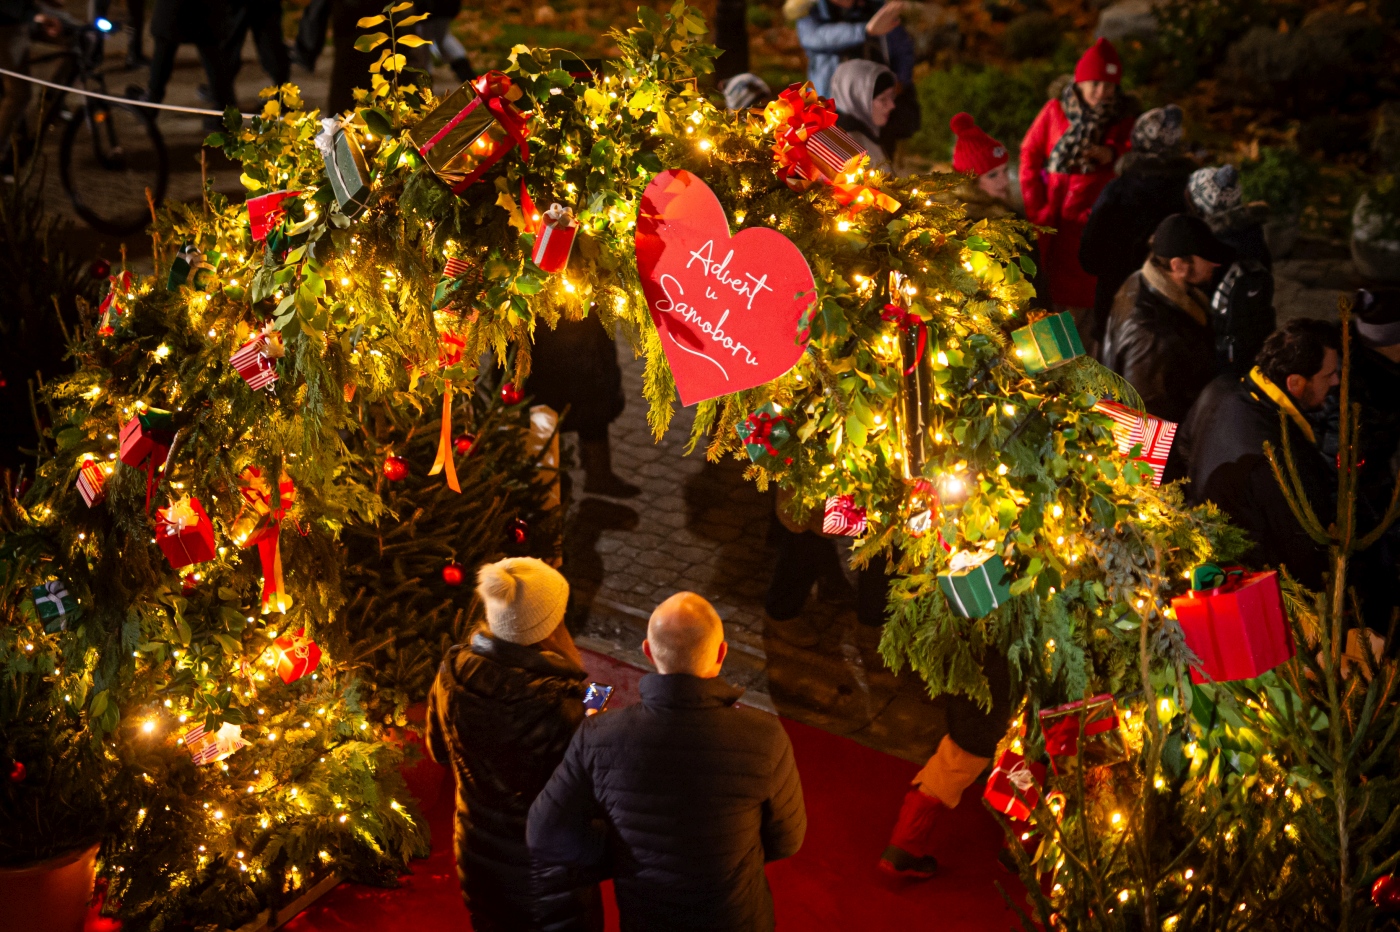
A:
(51, 896)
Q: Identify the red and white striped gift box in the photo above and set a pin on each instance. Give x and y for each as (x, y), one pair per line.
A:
(834, 152)
(206, 748)
(91, 482)
(455, 268)
(555, 239)
(253, 364)
(1131, 428)
(843, 517)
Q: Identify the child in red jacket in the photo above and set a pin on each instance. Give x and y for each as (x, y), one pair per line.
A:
(1067, 158)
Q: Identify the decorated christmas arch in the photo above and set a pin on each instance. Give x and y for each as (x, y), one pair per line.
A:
(854, 335)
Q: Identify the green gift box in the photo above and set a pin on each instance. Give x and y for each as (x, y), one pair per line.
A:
(345, 167)
(1049, 342)
(763, 433)
(55, 606)
(976, 583)
(190, 267)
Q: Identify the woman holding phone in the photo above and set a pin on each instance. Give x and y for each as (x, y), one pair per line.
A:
(502, 712)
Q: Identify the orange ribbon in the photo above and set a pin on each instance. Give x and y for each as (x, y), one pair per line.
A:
(444, 451)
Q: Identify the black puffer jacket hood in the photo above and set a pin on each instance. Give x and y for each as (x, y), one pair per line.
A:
(502, 715)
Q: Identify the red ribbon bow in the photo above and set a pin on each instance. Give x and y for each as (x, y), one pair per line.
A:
(760, 428)
(798, 114)
(1062, 737)
(268, 532)
(907, 320)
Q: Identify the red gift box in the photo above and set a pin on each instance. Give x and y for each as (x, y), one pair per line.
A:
(148, 435)
(843, 517)
(297, 655)
(1239, 629)
(1014, 786)
(555, 238)
(1131, 428)
(184, 533)
(1103, 743)
(91, 482)
(266, 211)
(253, 363)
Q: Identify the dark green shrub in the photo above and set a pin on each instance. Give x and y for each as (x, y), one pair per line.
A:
(1329, 61)
(1283, 178)
(1194, 34)
(760, 17)
(1033, 35)
(1004, 103)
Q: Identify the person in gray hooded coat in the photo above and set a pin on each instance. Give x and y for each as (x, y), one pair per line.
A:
(864, 93)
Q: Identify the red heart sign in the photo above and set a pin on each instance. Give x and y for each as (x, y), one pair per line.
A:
(728, 308)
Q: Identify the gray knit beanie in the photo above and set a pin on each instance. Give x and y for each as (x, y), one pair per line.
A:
(524, 598)
(745, 90)
(1214, 191)
(1158, 132)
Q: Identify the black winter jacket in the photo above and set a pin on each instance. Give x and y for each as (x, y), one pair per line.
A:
(1222, 443)
(1159, 349)
(1114, 242)
(574, 368)
(502, 715)
(201, 22)
(696, 795)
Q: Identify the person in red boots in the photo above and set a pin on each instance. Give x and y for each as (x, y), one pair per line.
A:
(962, 756)
(976, 153)
(1067, 158)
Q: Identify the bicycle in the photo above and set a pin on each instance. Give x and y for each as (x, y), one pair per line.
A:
(110, 153)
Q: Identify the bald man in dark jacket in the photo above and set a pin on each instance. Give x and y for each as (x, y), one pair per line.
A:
(687, 794)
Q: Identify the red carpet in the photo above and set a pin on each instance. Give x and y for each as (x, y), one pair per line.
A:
(852, 794)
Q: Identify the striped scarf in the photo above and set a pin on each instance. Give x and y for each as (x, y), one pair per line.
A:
(1087, 126)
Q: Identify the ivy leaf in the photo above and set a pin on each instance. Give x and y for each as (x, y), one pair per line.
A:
(400, 7)
(369, 22)
(977, 243)
(1027, 265)
(371, 42)
(413, 42)
(412, 21)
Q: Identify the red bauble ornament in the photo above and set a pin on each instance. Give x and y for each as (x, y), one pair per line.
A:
(519, 531)
(452, 574)
(297, 655)
(1385, 893)
(100, 268)
(463, 444)
(510, 394)
(18, 772)
(395, 468)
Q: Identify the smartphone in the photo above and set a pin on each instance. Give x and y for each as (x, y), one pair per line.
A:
(596, 699)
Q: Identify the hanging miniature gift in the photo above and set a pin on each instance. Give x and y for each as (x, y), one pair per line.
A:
(1086, 730)
(55, 606)
(1234, 622)
(913, 409)
(764, 432)
(92, 482)
(209, 748)
(184, 533)
(1046, 343)
(189, 267)
(471, 129)
(1014, 786)
(1133, 429)
(843, 517)
(296, 656)
(260, 522)
(266, 211)
(115, 304)
(253, 359)
(554, 239)
(145, 442)
(976, 583)
(345, 166)
(811, 149)
(450, 282)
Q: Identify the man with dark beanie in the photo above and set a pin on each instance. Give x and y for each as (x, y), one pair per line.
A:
(1159, 336)
(689, 795)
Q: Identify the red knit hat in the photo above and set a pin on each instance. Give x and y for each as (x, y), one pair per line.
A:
(1100, 63)
(975, 151)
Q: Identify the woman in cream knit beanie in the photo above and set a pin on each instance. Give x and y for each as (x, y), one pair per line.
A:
(524, 598)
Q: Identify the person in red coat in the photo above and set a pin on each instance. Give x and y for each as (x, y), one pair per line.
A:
(1067, 159)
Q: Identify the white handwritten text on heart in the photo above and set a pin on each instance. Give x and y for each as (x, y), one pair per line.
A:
(719, 272)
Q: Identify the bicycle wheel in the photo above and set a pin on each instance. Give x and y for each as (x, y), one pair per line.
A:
(109, 156)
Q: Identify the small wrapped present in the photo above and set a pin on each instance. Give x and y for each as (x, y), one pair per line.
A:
(458, 279)
(92, 482)
(253, 359)
(1134, 429)
(843, 517)
(976, 583)
(471, 129)
(147, 437)
(763, 433)
(55, 606)
(189, 267)
(297, 655)
(1014, 786)
(207, 748)
(259, 522)
(555, 239)
(345, 166)
(265, 212)
(1099, 743)
(115, 303)
(184, 533)
(1234, 622)
(1046, 343)
(832, 156)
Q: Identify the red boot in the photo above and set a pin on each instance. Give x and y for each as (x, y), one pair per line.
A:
(908, 853)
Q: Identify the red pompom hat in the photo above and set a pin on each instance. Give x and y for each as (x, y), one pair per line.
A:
(1100, 63)
(975, 151)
